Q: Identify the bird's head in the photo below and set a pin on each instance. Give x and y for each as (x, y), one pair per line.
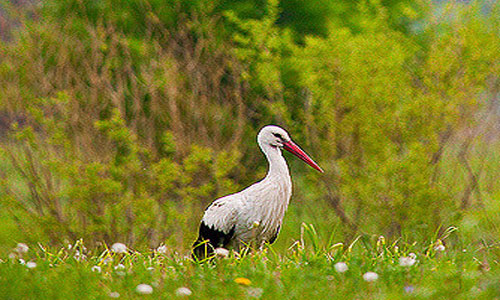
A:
(275, 136)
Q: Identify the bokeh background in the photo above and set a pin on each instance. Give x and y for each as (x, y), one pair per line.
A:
(121, 120)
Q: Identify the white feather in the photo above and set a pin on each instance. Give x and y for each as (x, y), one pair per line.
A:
(222, 213)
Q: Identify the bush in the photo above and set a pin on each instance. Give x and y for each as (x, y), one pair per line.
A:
(124, 195)
(382, 109)
(127, 123)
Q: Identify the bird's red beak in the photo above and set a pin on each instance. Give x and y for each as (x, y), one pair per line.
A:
(295, 150)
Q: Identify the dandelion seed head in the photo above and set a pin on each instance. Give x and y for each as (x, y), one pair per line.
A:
(162, 249)
(440, 248)
(107, 260)
(79, 256)
(144, 289)
(119, 270)
(21, 248)
(114, 295)
(119, 248)
(183, 291)
(221, 252)
(96, 269)
(406, 261)
(341, 267)
(370, 276)
(255, 292)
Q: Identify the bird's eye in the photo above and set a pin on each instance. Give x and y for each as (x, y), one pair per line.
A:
(278, 136)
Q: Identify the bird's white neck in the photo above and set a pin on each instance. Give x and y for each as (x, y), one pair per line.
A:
(278, 169)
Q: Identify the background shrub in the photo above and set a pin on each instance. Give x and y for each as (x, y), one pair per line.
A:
(122, 122)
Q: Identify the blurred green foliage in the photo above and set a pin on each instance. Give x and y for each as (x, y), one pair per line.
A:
(128, 117)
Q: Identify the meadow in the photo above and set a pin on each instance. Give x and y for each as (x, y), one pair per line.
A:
(120, 121)
(365, 269)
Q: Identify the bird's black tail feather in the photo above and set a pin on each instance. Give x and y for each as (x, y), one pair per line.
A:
(208, 240)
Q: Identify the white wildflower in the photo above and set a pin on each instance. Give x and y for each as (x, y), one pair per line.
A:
(183, 291)
(107, 260)
(119, 270)
(69, 247)
(162, 249)
(79, 256)
(370, 276)
(96, 269)
(409, 289)
(144, 289)
(439, 247)
(119, 248)
(114, 295)
(31, 265)
(255, 292)
(21, 248)
(221, 252)
(406, 261)
(21, 261)
(341, 267)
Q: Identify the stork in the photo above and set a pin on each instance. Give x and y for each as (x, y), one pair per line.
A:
(255, 214)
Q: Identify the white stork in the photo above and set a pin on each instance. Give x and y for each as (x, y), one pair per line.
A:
(255, 214)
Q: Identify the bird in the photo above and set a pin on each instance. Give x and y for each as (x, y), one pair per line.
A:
(255, 214)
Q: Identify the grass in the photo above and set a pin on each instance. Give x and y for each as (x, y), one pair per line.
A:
(304, 271)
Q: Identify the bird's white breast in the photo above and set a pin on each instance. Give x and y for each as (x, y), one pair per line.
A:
(263, 210)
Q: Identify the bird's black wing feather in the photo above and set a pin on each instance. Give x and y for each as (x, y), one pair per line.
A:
(275, 236)
(209, 239)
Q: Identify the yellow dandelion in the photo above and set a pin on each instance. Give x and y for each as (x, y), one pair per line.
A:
(243, 281)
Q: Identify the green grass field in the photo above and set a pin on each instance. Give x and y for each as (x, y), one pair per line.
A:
(305, 270)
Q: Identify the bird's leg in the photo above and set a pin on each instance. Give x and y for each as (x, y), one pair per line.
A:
(255, 234)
